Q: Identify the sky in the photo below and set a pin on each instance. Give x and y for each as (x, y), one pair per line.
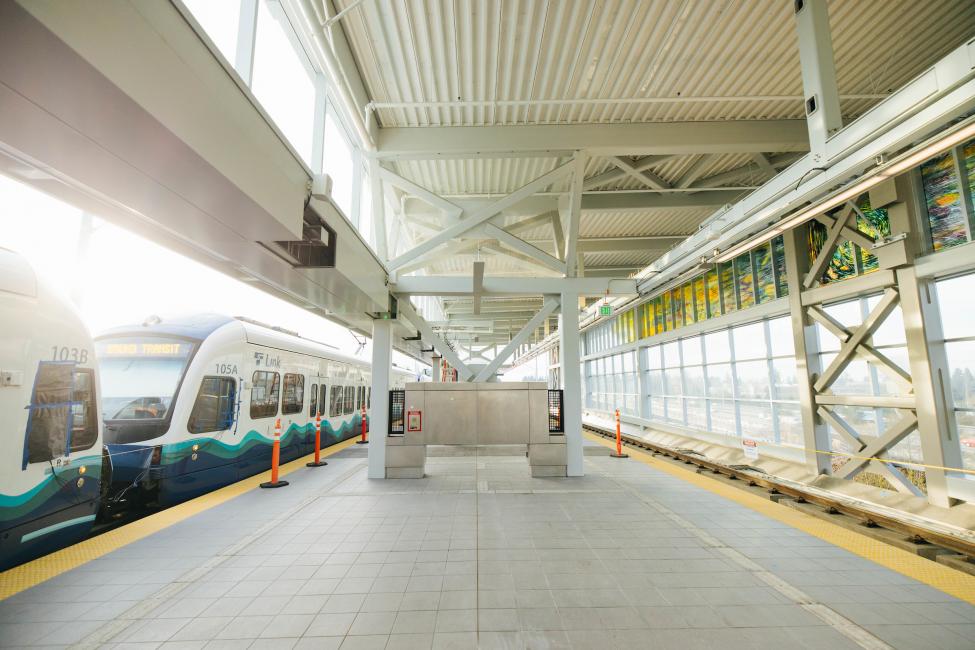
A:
(124, 278)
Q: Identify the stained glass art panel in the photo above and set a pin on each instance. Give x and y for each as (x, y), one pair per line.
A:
(746, 283)
(762, 257)
(941, 197)
(700, 300)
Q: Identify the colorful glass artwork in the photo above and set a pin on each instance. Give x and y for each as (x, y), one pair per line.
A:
(746, 283)
(874, 224)
(765, 278)
(700, 300)
(689, 313)
(714, 294)
(843, 263)
(968, 150)
(778, 255)
(677, 300)
(942, 199)
(728, 300)
(668, 313)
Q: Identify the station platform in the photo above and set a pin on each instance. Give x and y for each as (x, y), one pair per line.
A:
(636, 554)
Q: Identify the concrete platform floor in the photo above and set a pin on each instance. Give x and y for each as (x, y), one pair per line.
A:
(480, 555)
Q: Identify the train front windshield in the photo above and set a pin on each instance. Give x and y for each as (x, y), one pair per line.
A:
(140, 377)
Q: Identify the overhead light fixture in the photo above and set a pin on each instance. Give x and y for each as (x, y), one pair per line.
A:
(896, 167)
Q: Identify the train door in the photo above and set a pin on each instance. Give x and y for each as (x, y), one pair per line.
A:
(316, 409)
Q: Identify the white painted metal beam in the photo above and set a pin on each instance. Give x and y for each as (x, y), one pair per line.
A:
(478, 217)
(639, 165)
(488, 371)
(823, 117)
(573, 211)
(406, 309)
(594, 202)
(652, 138)
(524, 248)
(511, 286)
(645, 177)
(478, 281)
(421, 192)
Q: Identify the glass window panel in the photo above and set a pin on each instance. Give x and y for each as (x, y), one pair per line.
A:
(658, 409)
(784, 379)
(746, 284)
(954, 300)
(628, 361)
(765, 279)
(961, 364)
(749, 341)
(886, 384)
(653, 357)
(281, 80)
(778, 254)
(338, 163)
(691, 348)
(753, 382)
(891, 330)
(780, 337)
(658, 314)
(854, 380)
(965, 421)
(729, 302)
(694, 380)
(790, 425)
(942, 199)
(697, 415)
(365, 212)
(717, 347)
(675, 409)
(861, 419)
(756, 420)
(714, 294)
(723, 416)
(672, 382)
(655, 382)
(671, 354)
(689, 310)
(220, 19)
(719, 380)
(700, 300)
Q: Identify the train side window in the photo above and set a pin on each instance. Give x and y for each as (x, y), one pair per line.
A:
(213, 409)
(50, 408)
(294, 394)
(335, 408)
(313, 400)
(84, 420)
(369, 398)
(322, 404)
(349, 396)
(264, 394)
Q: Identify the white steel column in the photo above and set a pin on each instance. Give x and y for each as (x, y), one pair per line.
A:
(378, 209)
(382, 359)
(246, 38)
(571, 383)
(818, 75)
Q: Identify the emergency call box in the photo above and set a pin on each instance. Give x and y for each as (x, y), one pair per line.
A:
(414, 421)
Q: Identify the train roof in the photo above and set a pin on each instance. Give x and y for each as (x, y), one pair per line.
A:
(196, 326)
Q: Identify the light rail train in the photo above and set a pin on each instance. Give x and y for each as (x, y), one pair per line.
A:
(148, 415)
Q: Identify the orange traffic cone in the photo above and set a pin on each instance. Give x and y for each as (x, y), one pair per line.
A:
(318, 444)
(275, 458)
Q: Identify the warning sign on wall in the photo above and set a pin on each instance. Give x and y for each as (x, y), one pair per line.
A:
(414, 421)
(750, 447)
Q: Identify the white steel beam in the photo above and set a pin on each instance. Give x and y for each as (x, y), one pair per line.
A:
(246, 39)
(573, 210)
(550, 305)
(512, 286)
(639, 165)
(420, 192)
(478, 217)
(478, 281)
(649, 138)
(732, 175)
(524, 248)
(614, 244)
(382, 360)
(378, 209)
(645, 177)
(558, 235)
(571, 383)
(597, 201)
(823, 117)
(694, 172)
(463, 372)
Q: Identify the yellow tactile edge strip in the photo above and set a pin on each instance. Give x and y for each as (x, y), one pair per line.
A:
(37, 571)
(950, 581)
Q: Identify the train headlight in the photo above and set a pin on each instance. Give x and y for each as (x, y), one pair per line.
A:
(81, 482)
(82, 469)
(196, 447)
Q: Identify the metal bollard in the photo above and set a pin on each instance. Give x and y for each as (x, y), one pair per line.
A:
(275, 459)
(318, 462)
(619, 439)
(363, 441)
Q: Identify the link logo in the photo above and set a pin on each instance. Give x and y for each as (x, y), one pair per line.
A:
(270, 362)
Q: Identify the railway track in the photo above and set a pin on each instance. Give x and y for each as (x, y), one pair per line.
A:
(933, 538)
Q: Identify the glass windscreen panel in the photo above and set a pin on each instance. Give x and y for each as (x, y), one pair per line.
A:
(140, 377)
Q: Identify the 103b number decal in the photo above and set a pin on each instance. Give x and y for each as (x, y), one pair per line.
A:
(64, 353)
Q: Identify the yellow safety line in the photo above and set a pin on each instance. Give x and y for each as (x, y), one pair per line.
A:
(950, 581)
(44, 568)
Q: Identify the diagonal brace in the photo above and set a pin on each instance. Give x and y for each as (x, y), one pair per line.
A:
(550, 305)
(464, 373)
(891, 437)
